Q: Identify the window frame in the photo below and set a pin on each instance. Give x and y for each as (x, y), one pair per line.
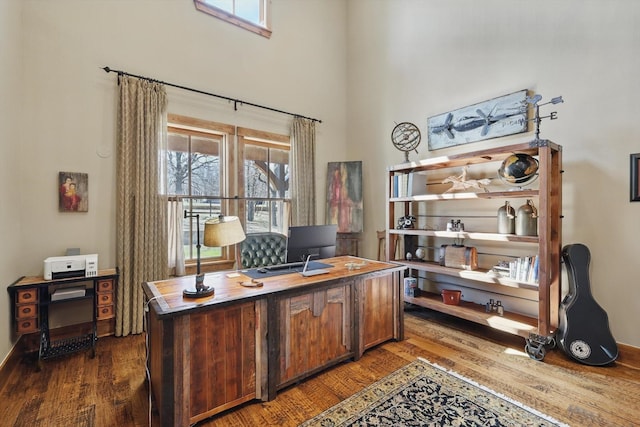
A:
(265, 31)
(193, 127)
(269, 140)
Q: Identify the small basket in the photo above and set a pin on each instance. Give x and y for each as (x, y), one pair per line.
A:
(450, 297)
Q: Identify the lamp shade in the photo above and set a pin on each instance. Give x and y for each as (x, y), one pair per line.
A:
(223, 231)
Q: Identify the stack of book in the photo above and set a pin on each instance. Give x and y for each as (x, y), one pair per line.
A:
(409, 184)
(523, 269)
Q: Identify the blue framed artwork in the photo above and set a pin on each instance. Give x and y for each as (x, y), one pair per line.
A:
(505, 115)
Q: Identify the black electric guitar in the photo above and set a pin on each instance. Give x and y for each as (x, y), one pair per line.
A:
(584, 326)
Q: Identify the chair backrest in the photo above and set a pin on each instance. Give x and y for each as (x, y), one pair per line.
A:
(262, 249)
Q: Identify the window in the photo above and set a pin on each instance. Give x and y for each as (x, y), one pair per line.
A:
(265, 177)
(252, 15)
(201, 171)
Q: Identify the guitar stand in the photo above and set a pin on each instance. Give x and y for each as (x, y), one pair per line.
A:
(535, 346)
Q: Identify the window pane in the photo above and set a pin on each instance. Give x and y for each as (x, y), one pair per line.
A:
(178, 164)
(205, 167)
(279, 166)
(265, 216)
(205, 209)
(255, 171)
(249, 10)
(226, 5)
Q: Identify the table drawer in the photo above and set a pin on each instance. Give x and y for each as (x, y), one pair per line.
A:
(105, 311)
(27, 295)
(27, 325)
(105, 285)
(27, 310)
(105, 299)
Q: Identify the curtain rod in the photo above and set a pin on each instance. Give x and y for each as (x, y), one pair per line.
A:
(235, 101)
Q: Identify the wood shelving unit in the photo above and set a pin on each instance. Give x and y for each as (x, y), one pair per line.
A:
(538, 330)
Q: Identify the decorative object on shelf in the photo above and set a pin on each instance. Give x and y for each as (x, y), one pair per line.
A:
(458, 256)
(635, 177)
(455, 226)
(519, 170)
(406, 137)
(410, 287)
(505, 115)
(73, 192)
(451, 297)
(420, 253)
(527, 219)
(460, 182)
(533, 101)
(506, 219)
(344, 196)
(406, 222)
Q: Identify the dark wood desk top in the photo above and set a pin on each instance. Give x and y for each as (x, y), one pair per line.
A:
(166, 298)
(40, 280)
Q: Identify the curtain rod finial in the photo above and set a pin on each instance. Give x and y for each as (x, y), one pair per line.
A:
(106, 69)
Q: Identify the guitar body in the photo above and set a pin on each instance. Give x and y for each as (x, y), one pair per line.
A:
(584, 326)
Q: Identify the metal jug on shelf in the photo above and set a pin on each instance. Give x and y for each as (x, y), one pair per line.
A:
(527, 220)
(506, 219)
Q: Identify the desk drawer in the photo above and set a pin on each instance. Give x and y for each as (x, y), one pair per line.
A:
(105, 285)
(24, 311)
(105, 299)
(27, 295)
(105, 312)
(27, 325)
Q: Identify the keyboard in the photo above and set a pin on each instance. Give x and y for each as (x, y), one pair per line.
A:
(314, 272)
(284, 266)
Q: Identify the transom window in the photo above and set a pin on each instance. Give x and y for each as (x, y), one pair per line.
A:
(251, 15)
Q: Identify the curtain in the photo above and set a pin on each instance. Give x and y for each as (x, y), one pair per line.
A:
(303, 172)
(141, 211)
(175, 241)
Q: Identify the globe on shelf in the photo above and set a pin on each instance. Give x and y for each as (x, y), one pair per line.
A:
(518, 169)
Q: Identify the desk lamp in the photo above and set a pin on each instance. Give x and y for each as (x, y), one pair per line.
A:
(218, 232)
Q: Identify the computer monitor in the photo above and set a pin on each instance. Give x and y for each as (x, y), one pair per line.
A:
(319, 241)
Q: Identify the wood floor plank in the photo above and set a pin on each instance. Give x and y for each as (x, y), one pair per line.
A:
(111, 389)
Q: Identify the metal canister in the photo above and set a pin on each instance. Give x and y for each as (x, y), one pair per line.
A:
(527, 220)
(506, 219)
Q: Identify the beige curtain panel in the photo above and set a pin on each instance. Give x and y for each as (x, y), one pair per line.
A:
(303, 172)
(141, 207)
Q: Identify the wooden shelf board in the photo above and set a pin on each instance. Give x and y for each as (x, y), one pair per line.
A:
(475, 275)
(512, 323)
(466, 196)
(496, 237)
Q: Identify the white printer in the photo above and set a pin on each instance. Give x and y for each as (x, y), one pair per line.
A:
(61, 267)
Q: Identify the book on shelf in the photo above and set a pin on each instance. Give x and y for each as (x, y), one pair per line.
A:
(409, 184)
(523, 269)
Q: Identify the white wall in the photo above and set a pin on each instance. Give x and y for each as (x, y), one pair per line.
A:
(11, 155)
(69, 103)
(410, 59)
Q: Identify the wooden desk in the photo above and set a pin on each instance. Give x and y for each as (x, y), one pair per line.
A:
(211, 354)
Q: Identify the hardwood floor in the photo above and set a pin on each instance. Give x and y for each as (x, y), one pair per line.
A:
(111, 390)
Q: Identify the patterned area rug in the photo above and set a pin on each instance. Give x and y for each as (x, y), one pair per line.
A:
(423, 394)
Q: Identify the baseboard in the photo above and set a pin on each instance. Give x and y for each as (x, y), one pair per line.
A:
(11, 362)
(628, 356)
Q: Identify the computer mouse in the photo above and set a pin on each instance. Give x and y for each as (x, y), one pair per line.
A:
(262, 270)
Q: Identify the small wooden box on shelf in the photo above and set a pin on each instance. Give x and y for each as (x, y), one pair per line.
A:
(537, 330)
